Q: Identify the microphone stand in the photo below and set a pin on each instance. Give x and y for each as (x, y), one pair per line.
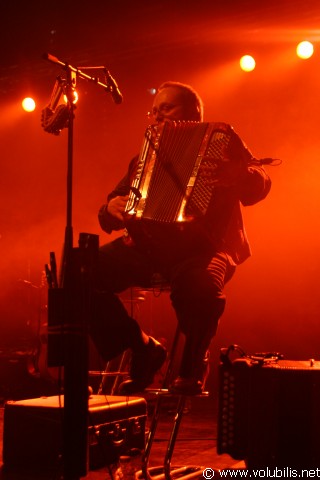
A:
(69, 299)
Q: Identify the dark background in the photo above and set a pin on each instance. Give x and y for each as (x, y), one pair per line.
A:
(273, 301)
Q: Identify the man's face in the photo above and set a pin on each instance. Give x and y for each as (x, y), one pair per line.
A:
(169, 105)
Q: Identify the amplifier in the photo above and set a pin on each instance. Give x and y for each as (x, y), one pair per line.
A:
(32, 431)
(269, 411)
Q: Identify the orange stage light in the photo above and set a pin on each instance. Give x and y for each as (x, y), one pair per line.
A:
(247, 63)
(28, 104)
(304, 50)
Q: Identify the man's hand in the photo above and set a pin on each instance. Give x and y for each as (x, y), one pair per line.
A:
(223, 172)
(117, 205)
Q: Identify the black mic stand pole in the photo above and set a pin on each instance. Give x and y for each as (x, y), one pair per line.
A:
(68, 239)
(69, 304)
(75, 417)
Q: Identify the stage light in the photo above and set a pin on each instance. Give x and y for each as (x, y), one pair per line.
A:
(304, 50)
(247, 63)
(28, 104)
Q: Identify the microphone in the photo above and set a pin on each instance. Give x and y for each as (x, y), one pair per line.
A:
(113, 88)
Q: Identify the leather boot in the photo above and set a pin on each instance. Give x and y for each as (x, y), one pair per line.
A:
(195, 383)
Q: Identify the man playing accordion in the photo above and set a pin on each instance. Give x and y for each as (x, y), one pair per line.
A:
(195, 248)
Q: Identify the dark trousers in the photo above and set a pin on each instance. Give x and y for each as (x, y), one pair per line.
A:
(196, 286)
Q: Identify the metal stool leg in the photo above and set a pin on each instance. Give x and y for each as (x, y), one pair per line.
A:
(149, 441)
(167, 472)
(173, 437)
(156, 413)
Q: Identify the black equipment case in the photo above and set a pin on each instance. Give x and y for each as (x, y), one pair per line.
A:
(32, 435)
(269, 410)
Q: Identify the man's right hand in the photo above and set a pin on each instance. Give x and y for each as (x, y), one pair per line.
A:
(116, 206)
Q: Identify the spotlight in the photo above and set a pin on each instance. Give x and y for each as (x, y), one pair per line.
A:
(247, 63)
(28, 104)
(304, 50)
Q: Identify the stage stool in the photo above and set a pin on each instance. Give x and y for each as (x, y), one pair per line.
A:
(167, 471)
(112, 375)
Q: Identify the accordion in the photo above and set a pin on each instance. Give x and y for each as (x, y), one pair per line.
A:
(268, 411)
(175, 180)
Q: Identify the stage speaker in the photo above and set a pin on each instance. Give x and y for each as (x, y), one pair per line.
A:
(269, 411)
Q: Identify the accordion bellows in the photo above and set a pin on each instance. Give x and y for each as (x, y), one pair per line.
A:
(176, 171)
(173, 201)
